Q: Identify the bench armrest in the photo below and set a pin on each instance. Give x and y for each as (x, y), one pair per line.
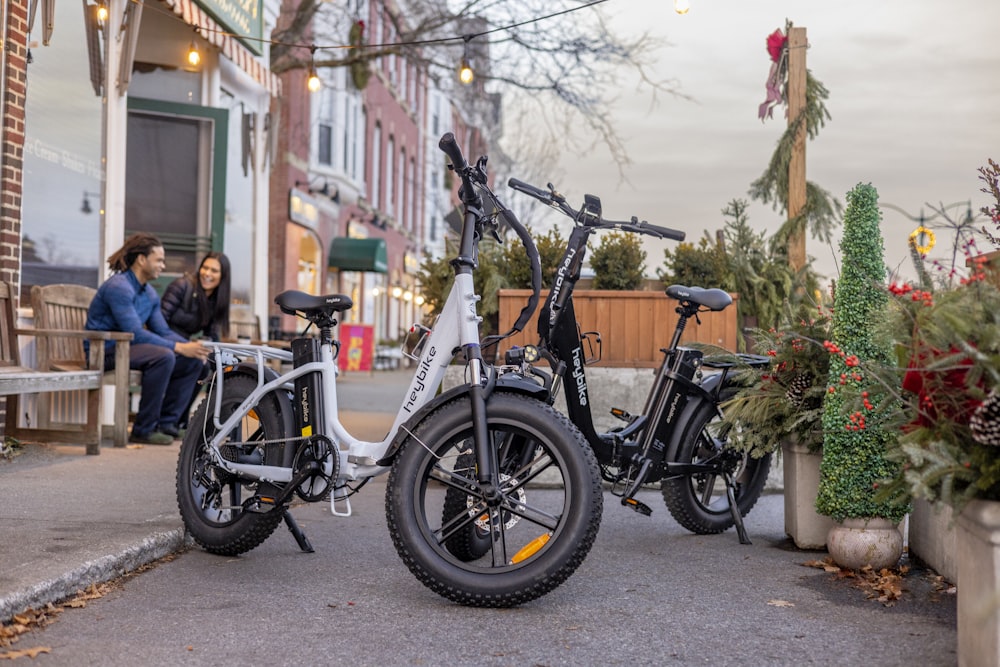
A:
(90, 334)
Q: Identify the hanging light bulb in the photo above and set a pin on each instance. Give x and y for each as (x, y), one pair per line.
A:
(313, 82)
(465, 73)
(193, 56)
(102, 12)
(682, 6)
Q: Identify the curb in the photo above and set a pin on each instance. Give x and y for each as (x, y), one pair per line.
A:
(96, 571)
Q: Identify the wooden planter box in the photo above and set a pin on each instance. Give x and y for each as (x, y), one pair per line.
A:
(803, 523)
(931, 537)
(978, 533)
(634, 326)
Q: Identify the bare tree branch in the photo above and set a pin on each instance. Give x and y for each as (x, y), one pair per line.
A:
(568, 67)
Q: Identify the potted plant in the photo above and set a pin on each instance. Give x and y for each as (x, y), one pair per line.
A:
(855, 440)
(782, 406)
(949, 447)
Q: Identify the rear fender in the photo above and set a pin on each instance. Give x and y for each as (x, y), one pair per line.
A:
(698, 408)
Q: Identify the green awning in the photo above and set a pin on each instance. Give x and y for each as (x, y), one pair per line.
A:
(349, 254)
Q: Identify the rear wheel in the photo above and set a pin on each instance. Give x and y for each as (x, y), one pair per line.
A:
(503, 549)
(698, 502)
(213, 501)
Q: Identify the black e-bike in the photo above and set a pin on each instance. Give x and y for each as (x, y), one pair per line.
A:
(676, 441)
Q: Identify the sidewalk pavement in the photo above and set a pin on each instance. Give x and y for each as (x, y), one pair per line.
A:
(68, 520)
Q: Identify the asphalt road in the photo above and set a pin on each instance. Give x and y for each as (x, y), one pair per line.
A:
(648, 594)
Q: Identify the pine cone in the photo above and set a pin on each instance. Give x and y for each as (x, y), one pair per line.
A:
(798, 387)
(985, 421)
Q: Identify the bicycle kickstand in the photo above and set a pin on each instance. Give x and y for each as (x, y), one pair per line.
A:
(297, 533)
(734, 509)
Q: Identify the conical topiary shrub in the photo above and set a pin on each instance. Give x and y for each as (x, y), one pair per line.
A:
(854, 443)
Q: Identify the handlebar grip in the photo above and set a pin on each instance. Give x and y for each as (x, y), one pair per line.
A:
(663, 232)
(453, 151)
(529, 189)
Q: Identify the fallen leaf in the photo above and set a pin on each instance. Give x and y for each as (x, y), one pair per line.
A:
(25, 653)
(780, 603)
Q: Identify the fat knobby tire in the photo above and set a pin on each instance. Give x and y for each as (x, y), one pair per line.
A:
(241, 531)
(415, 500)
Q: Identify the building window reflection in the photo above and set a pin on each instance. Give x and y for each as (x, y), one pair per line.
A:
(62, 160)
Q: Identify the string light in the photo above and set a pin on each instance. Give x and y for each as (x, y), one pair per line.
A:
(193, 57)
(313, 82)
(465, 73)
(682, 6)
(442, 40)
(102, 12)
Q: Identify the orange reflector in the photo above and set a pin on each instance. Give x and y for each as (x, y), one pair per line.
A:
(531, 548)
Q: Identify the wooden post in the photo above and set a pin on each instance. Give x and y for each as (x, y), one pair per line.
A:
(797, 163)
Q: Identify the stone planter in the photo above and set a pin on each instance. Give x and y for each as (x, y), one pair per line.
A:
(858, 543)
(806, 527)
(932, 537)
(978, 533)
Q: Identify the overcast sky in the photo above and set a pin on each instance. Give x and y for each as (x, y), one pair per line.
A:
(914, 98)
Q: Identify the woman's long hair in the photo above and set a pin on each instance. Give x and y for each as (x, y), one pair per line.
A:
(140, 243)
(221, 314)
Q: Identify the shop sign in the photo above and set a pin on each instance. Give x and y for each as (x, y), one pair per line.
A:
(244, 18)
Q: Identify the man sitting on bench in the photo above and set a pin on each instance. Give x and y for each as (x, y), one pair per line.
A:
(170, 363)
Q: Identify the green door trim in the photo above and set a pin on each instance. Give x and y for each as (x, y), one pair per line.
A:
(220, 153)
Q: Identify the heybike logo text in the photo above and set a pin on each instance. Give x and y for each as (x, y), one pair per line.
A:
(420, 378)
(557, 286)
(581, 380)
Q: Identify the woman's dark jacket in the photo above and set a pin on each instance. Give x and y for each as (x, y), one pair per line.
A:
(187, 310)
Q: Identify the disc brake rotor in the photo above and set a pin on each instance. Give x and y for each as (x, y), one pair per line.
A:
(482, 523)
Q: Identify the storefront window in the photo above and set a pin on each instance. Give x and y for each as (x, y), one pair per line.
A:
(63, 177)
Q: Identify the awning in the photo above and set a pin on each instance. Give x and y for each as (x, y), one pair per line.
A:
(349, 254)
(230, 46)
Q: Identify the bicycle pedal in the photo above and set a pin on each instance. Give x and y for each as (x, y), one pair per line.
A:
(260, 505)
(640, 507)
(624, 415)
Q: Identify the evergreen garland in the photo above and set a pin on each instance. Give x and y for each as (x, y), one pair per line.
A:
(821, 211)
(854, 449)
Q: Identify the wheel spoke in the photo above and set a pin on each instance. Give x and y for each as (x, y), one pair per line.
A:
(709, 489)
(530, 513)
(458, 522)
(529, 472)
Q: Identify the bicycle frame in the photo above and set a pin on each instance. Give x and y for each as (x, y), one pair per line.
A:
(667, 399)
(358, 459)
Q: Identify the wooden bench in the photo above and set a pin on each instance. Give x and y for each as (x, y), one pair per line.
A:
(64, 307)
(243, 325)
(17, 380)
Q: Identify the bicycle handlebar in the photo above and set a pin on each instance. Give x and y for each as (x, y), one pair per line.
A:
(529, 189)
(453, 151)
(473, 206)
(554, 199)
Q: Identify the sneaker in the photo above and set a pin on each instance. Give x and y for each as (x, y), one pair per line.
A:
(154, 438)
(169, 429)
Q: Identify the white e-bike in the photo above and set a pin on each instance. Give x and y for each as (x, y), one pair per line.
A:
(493, 497)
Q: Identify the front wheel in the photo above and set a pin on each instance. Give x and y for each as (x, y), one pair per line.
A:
(698, 502)
(498, 549)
